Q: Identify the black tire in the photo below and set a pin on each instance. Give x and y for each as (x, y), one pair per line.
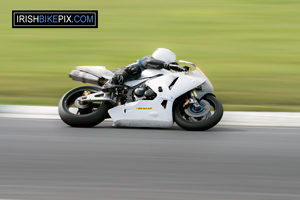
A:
(203, 123)
(88, 117)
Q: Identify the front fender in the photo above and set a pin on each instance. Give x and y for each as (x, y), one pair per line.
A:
(201, 94)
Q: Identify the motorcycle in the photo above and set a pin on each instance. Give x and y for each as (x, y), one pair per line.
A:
(158, 98)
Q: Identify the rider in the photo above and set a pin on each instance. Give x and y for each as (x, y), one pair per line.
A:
(161, 58)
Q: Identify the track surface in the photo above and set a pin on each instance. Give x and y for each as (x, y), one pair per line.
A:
(45, 159)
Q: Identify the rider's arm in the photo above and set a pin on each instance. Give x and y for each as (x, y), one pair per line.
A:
(127, 73)
(134, 70)
(149, 62)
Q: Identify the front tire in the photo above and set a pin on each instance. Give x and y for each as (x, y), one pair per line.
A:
(188, 118)
(88, 115)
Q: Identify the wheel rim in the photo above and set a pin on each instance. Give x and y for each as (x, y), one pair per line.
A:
(191, 114)
(74, 106)
(200, 112)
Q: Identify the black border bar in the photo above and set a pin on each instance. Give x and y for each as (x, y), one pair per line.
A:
(55, 12)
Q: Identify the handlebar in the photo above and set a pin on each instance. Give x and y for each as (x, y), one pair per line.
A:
(177, 67)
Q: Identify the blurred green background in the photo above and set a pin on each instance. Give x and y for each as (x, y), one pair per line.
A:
(250, 49)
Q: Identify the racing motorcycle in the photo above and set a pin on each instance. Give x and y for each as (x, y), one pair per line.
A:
(158, 98)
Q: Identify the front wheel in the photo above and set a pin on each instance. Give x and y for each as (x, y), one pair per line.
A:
(77, 114)
(192, 119)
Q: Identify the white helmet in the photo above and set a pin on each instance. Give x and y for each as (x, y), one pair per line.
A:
(164, 54)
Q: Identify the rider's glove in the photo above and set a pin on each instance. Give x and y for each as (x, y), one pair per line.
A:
(174, 63)
(168, 66)
(176, 67)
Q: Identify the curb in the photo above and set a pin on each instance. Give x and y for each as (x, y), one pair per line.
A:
(236, 118)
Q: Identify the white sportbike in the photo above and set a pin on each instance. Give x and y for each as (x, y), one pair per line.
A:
(158, 98)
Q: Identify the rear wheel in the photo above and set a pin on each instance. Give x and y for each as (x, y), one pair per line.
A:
(188, 117)
(78, 114)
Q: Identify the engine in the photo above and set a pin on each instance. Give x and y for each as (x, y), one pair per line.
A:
(144, 93)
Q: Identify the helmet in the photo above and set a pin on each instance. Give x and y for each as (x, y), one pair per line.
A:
(164, 55)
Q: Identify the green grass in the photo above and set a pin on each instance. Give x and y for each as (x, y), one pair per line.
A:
(250, 49)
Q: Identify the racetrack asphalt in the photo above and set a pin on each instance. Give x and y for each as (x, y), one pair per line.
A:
(46, 159)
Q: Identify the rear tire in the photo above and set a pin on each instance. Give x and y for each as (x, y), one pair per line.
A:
(202, 123)
(90, 116)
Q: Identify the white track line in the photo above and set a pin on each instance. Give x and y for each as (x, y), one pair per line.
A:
(275, 119)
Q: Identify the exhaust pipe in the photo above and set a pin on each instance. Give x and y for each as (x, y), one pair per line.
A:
(84, 77)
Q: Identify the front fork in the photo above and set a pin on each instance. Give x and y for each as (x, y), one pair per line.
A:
(193, 100)
(195, 105)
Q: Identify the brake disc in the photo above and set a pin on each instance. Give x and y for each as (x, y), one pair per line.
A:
(191, 111)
